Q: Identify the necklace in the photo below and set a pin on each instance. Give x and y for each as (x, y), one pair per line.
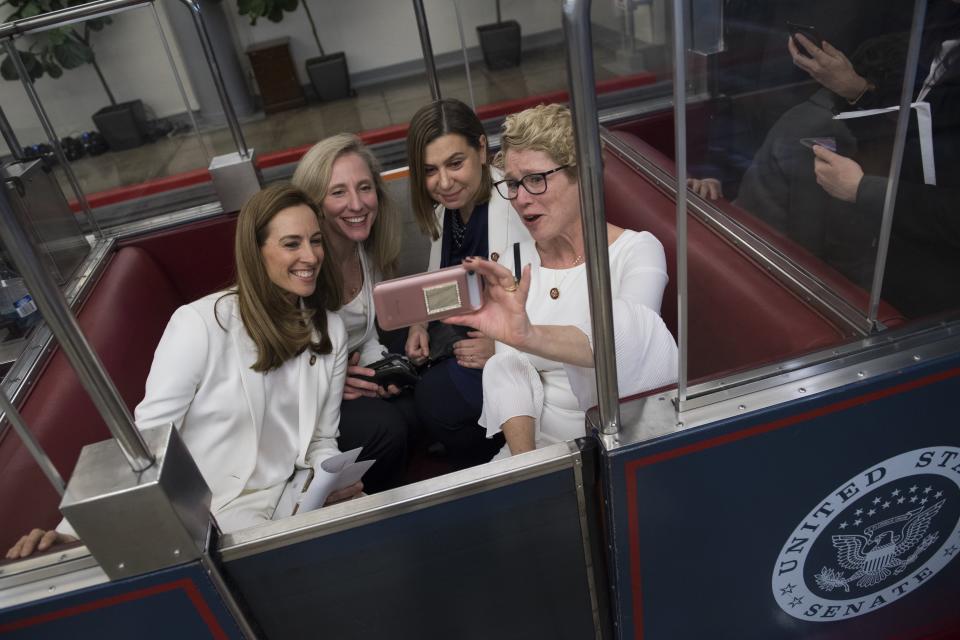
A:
(555, 290)
(358, 270)
(458, 230)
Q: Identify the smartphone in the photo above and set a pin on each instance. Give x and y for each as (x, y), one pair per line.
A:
(393, 369)
(434, 295)
(827, 143)
(809, 32)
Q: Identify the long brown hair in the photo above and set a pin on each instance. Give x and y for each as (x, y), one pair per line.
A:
(313, 176)
(280, 329)
(432, 121)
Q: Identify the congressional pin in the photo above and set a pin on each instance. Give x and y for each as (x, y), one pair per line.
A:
(313, 359)
(495, 256)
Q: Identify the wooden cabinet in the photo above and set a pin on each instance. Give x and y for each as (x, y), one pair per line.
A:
(276, 76)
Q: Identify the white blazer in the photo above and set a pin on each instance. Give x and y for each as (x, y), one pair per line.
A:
(201, 381)
(503, 226)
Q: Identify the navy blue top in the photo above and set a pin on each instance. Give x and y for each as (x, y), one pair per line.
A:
(461, 241)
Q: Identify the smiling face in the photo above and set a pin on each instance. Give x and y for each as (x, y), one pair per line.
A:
(555, 211)
(453, 170)
(350, 206)
(293, 250)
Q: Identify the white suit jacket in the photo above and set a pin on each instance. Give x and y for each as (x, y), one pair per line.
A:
(503, 226)
(201, 381)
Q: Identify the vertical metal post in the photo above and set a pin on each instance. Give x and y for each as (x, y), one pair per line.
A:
(85, 362)
(178, 79)
(10, 137)
(427, 49)
(680, 144)
(896, 161)
(51, 134)
(39, 455)
(583, 103)
(228, 112)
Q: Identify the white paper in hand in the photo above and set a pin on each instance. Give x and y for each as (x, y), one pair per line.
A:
(337, 472)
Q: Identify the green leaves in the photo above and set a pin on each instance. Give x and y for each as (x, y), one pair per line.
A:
(51, 51)
(270, 9)
(30, 62)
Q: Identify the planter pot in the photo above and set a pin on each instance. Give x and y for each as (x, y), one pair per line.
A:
(124, 126)
(500, 43)
(329, 76)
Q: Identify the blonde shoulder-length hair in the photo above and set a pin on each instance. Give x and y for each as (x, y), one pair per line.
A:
(313, 175)
(279, 328)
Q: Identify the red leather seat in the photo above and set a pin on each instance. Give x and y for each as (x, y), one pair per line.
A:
(739, 316)
(123, 319)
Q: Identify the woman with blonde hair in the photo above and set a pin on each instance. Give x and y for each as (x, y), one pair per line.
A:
(451, 189)
(541, 380)
(252, 376)
(362, 229)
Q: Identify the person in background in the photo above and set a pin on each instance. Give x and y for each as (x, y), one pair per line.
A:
(541, 380)
(454, 202)
(922, 274)
(362, 229)
(251, 377)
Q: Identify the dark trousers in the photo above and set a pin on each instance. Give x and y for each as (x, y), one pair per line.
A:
(451, 419)
(382, 428)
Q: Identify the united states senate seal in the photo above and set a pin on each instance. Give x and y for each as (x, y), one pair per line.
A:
(873, 540)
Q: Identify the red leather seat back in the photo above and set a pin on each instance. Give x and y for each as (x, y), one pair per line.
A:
(197, 258)
(738, 315)
(122, 320)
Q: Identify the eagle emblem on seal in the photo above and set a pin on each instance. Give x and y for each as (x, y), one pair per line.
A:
(878, 552)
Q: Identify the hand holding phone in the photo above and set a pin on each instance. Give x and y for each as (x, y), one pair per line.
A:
(393, 369)
(423, 297)
(826, 142)
(809, 32)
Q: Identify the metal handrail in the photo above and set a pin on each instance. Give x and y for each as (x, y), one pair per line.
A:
(68, 15)
(427, 47)
(583, 105)
(899, 142)
(56, 313)
(10, 137)
(680, 144)
(39, 455)
(102, 8)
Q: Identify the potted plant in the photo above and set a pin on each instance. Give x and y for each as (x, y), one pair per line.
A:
(328, 72)
(123, 125)
(500, 42)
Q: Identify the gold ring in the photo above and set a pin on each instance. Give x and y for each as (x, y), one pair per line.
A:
(512, 288)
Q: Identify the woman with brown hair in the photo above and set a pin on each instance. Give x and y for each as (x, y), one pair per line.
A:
(252, 376)
(454, 202)
(362, 230)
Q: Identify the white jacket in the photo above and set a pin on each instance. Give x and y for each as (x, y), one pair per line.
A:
(503, 226)
(201, 381)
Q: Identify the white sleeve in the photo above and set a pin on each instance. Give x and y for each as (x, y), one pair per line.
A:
(646, 355)
(323, 444)
(371, 351)
(645, 349)
(177, 370)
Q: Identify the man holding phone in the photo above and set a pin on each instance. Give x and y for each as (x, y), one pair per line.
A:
(827, 65)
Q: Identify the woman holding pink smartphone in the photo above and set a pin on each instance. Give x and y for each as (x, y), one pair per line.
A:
(362, 229)
(454, 202)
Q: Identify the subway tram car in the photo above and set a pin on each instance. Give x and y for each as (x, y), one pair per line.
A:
(798, 161)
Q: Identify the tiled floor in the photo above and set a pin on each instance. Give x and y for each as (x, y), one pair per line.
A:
(391, 103)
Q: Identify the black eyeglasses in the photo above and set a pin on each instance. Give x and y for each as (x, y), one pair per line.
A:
(534, 183)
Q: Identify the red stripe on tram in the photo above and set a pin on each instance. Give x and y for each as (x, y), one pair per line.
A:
(630, 469)
(187, 585)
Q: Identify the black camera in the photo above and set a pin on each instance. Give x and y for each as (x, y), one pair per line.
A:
(393, 369)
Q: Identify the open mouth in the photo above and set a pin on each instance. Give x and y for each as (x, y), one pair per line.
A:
(355, 220)
(307, 275)
(532, 217)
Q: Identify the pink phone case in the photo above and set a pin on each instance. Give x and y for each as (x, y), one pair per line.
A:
(422, 297)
